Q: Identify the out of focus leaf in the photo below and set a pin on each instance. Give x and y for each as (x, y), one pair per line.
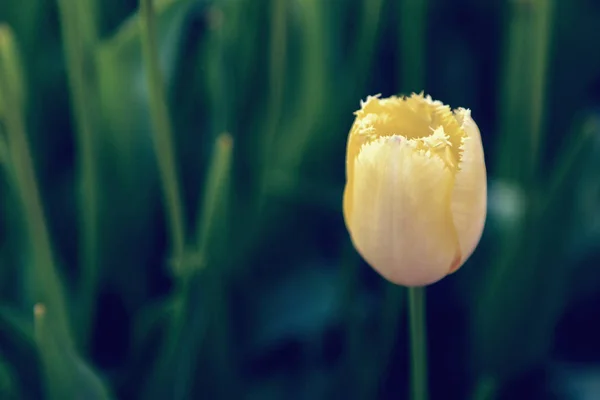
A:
(526, 291)
(584, 240)
(67, 376)
(129, 164)
(18, 322)
(122, 83)
(523, 90)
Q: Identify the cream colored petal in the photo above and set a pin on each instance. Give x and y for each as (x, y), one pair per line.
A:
(469, 199)
(401, 221)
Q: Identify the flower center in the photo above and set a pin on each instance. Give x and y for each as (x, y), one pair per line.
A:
(438, 144)
(428, 125)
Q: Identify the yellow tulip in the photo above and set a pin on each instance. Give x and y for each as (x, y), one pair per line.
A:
(415, 195)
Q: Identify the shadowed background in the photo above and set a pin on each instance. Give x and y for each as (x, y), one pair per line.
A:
(170, 192)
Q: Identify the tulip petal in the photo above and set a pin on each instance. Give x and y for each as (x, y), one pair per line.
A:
(401, 221)
(469, 199)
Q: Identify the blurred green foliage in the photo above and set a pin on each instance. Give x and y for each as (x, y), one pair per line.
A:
(171, 198)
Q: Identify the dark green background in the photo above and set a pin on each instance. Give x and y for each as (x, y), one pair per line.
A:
(275, 302)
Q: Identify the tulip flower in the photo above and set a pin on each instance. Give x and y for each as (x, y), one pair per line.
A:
(415, 195)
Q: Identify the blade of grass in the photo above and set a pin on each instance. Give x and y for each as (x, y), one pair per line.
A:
(541, 31)
(66, 375)
(215, 190)
(79, 36)
(277, 63)
(163, 132)
(129, 32)
(187, 328)
(49, 288)
(314, 87)
(522, 102)
(212, 245)
(216, 73)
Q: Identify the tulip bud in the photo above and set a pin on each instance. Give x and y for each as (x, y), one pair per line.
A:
(415, 195)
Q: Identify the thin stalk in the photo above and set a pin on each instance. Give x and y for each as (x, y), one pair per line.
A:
(313, 88)
(522, 104)
(215, 191)
(277, 61)
(210, 232)
(79, 37)
(48, 287)
(164, 149)
(66, 376)
(413, 38)
(541, 30)
(185, 333)
(163, 132)
(418, 343)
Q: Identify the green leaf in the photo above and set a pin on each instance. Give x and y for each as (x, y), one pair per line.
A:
(67, 376)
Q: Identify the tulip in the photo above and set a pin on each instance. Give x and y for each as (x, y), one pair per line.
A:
(415, 194)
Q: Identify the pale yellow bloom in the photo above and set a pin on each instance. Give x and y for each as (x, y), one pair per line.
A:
(415, 195)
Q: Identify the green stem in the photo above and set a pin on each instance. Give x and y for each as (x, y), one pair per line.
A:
(79, 39)
(277, 61)
(418, 343)
(163, 133)
(48, 286)
(542, 31)
(215, 192)
(522, 106)
(313, 89)
(186, 328)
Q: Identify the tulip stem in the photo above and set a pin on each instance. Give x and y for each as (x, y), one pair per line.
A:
(418, 342)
